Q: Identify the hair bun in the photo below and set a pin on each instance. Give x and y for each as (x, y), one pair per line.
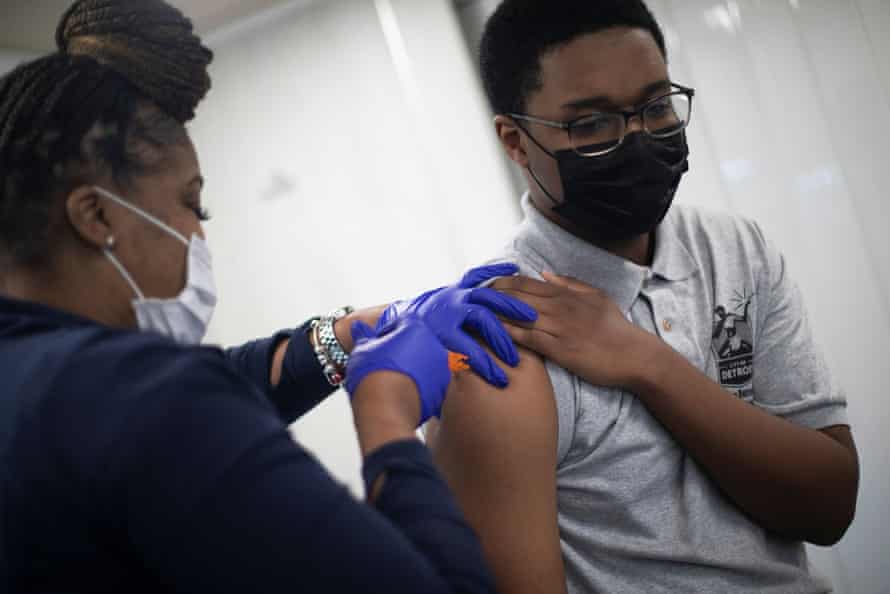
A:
(149, 42)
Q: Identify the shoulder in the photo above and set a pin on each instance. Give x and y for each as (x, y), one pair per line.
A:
(114, 377)
(720, 236)
(478, 417)
(696, 223)
(140, 360)
(125, 399)
(529, 263)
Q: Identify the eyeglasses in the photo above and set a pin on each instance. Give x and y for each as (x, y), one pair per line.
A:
(600, 133)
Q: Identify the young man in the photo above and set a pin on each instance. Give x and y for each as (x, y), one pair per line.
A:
(684, 434)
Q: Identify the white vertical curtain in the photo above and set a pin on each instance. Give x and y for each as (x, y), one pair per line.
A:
(349, 159)
(792, 128)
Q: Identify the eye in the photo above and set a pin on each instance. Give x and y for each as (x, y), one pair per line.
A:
(192, 201)
(660, 108)
(202, 213)
(594, 125)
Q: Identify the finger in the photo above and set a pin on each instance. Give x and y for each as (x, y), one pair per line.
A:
(568, 282)
(542, 326)
(556, 279)
(507, 322)
(542, 306)
(535, 340)
(503, 305)
(477, 276)
(478, 360)
(528, 285)
(389, 314)
(494, 334)
(361, 331)
(418, 301)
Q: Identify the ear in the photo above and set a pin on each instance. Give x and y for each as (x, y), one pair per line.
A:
(512, 139)
(84, 209)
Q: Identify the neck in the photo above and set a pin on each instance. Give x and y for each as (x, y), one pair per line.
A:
(639, 249)
(83, 294)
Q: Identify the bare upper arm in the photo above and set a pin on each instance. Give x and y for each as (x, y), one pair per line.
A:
(497, 450)
(842, 435)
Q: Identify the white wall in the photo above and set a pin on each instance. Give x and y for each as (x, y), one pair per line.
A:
(10, 58)
(349, 160)
(792, 127)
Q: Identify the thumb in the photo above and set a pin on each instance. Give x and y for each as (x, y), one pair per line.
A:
(389, 314)
(566, 282)
(477, 276)
(361, 331)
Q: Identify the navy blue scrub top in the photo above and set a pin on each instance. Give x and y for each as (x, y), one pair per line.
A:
(133, 464)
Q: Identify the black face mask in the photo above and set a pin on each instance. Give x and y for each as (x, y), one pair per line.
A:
(625, 193)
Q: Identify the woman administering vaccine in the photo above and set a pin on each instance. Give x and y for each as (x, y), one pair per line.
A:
(135, 460)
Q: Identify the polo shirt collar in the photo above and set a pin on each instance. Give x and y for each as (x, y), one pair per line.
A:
(564, 253)
(672, 261)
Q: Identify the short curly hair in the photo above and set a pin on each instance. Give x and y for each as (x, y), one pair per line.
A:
(520, 32)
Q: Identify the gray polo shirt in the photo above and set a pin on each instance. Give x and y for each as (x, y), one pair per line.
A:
(636, 513)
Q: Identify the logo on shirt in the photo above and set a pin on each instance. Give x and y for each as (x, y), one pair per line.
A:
(733, 342)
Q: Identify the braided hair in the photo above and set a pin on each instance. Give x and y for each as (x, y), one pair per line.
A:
(127, 76)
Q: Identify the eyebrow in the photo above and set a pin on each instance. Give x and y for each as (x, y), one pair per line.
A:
(603, 102)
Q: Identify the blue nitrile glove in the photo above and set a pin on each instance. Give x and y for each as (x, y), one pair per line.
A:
(409, 347)
(448, 311)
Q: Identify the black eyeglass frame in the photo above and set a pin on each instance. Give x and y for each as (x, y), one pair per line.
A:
(567, 126)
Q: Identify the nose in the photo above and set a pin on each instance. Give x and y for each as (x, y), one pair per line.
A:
(635, 124)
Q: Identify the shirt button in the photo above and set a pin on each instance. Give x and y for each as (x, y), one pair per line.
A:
(667, 325)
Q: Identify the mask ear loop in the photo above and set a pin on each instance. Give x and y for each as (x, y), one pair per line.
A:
(543, 189)
(529, 167)
(108, 250)
(143, 214)
(606, 205)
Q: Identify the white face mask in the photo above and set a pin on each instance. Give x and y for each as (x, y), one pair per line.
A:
(185, 317)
